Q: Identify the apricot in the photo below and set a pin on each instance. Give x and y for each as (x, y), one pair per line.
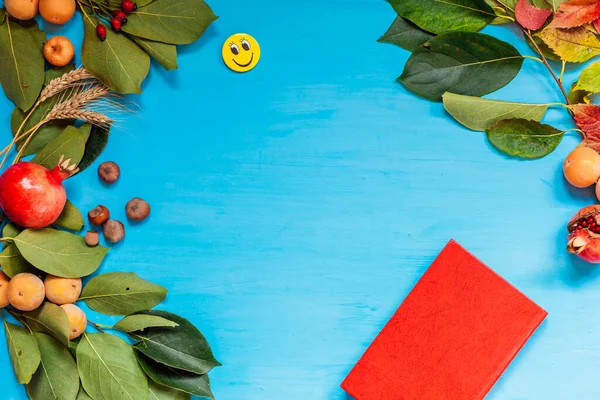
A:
(4, 280)
(26, 291)
(59, 51)
(62, 290)
(77, 320)
(22, 9)
(582, 167)
(57, 11)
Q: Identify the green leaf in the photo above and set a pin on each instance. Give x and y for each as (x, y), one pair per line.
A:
(70, 143)
(117, 62)
(57, 72)
(139, 322)
(159, 392)
(405, 34)
(50, 319)
(589, 80)
(14, 263)
(578, 96)
(442, 16)
(98, 138)
(501, 13)
(2, 15)
(109, 370)
(572, 45)
(56, 378)
(21, 65)
(188, 382)
(167, 21)
(82, 395)
(479, 114)
(70, 218)
(59, 253)
(11, 230)
(142, 3)
(165, 54)
(34, 30)
(23, 351)
(182, 347)
(524, 138)
(462, 62)
(121, 293)
(73, 346)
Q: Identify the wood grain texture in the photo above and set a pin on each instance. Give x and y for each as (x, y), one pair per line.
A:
(294, 206)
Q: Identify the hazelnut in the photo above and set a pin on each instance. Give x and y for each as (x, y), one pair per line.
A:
(98, 215)
(114, 231)
(91, 238)
(109, 172)
(137, 209)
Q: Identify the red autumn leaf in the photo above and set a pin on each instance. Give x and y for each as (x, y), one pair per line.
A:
(587, 117)
(531, 17)
(576, 13)
(597, 25)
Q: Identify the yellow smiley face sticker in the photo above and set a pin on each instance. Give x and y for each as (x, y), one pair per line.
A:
(241, 52)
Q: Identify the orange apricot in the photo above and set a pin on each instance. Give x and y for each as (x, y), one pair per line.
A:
(57, 11)
(22, 9)
(4, 280)
(77, 320)
(582, 167)
(62, 290)
(59, 51)
(26, 292)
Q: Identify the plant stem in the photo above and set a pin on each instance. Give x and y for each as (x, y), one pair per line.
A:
(97, 326)
(537, 48)
(562, 70)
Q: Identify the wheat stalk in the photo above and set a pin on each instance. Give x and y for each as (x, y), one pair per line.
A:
(73, 78)
(79, 105)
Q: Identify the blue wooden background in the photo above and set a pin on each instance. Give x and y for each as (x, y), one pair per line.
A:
(294, 206)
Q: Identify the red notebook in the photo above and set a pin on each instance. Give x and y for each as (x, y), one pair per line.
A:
(451, 338)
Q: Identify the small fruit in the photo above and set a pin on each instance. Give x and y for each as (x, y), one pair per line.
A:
(22, 9)
(116, 24)
(101, 32)
(114, 231)
(121, 15)
(137, 209)
(59, 51)
(584, 234)
(57, 11)
(98, 215)
(31, 195)
(62, 290)
(4, 280)
(26, 292)
(582, 167)
(109, 172)
(77, 320)
(92, 238)
(128, 6)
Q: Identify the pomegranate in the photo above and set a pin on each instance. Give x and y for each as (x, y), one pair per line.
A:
(584, 234)
(33, 196)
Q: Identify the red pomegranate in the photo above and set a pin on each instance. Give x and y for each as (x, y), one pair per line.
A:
(584, 234)
(33, 196)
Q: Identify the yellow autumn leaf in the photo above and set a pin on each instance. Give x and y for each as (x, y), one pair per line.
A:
(573, 45)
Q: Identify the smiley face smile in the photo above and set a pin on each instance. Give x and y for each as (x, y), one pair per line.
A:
(236, 49)
(245, 65)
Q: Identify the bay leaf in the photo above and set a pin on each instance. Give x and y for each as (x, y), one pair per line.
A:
(524, 138)
(70, 143)
(13, 263)
(117, 61)
(49, 318)
(479, 114)
(121, 293)
(21, 65)
(173, 22)
(139, 322)
(405, 34)
(572, 45)
(70, 218)
(188, 382)
(56, 377)
(442, 16)
(82, 395)
(23, 351)
(159, 392)
(182, 347)
(59, 253)
(95, 144)
(462, 62)
(109, 370)
(10, 230)
(2, 15)
(165, 54)
(57, 72)
(34, 30)
(73, 347)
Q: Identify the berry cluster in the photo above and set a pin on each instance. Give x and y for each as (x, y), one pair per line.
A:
(119, 18)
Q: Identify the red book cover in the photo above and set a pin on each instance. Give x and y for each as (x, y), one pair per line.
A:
(451, 338)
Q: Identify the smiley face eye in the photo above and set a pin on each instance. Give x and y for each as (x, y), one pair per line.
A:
(234, 49)
(245, 45)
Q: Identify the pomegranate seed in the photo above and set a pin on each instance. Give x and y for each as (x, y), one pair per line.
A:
(116, 24)
(584, 223)
(121, 15)
(590, 220)
(128, 6)
(101, 32)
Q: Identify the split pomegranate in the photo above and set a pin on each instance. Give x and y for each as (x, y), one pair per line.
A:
(584, 234)
(33, 196)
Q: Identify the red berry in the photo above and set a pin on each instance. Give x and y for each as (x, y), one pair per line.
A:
(33, 196)
(116, 24)
(121, 15)
(128, 6)
(101, 32)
